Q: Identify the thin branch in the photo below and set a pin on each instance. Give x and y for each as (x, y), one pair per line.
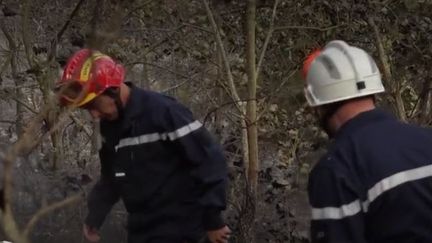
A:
(25, 30)
(400, 107)
(214, 109)
(175, 86)
(7, 88)
(43, 211)
(267, 39)
(198, 28)
(17, 79)
(13, 97)
(4, 66)
(27, 141)
(186, 76)
(139, 7)
(268, 101)
(24, 104)
(7, 121)
(230, 78)
(281, 28)
(157, 44)
(56, 40)
(78, 122)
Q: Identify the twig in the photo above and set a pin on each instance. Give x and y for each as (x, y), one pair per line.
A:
(7, 88)
(400, 107)
(80, 124)
(48, 209)
(139, 7)
(155, 45)
(25, 30)
(267, 39)
(230, 78)
(6, 121)
(20, 102)
(175, 86)
(198, 28)
(56, 40)
(187, 76)
(275, 92)
(280, 28)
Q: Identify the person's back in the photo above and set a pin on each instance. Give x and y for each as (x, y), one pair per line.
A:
(375, 183)
(388, 167)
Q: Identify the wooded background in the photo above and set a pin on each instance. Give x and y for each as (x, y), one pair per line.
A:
(234, 63)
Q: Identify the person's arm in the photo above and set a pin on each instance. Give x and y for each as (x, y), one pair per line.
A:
(337, 214)
(197, 146)
(103, 196)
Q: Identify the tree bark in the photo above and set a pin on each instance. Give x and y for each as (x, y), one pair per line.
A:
(251, 117)
(251, 112)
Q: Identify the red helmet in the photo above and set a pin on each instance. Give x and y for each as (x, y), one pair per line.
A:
(88, 73)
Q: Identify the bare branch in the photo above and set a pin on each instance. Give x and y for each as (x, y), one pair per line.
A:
(176, 86)
(268, 101)
(7, 121)
(16, 99)
(281, 28)
(139, 7)
(31, 137)
(198, 28)
(44, 211)
(14, 71)
(80, 124)
(186, 76)
(230, 78)
(396, 91)
(25, 31)
(6, 95)
(56, 40)
(267, 39)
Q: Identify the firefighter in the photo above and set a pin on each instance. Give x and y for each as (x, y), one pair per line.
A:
(374, 185)
(164, 164)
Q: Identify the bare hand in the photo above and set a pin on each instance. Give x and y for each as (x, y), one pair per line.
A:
(219, 236)
(91, 233)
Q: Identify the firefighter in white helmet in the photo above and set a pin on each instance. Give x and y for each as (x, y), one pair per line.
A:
(375, 182)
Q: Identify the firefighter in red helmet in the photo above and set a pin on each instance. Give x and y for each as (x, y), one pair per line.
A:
(165, 166)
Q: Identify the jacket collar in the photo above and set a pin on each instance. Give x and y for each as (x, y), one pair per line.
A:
(135, 105)
(361, 120)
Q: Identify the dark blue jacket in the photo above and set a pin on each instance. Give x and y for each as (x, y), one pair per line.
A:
(164, 165)
(374, 185)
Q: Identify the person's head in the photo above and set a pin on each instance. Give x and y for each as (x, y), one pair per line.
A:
(341, 81)
(92, 81)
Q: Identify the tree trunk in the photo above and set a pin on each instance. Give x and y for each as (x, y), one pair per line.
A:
(251, 112)
(251, 115)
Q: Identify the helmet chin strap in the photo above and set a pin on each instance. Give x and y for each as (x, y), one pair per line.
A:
(329, 110)
(114, 93)
(324, 118)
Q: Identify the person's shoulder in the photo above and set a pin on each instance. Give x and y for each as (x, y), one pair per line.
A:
(389, 130)
(160, 99)
(331, 161)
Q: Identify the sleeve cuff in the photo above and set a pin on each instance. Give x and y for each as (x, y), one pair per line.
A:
(94, 220)
(213, 219)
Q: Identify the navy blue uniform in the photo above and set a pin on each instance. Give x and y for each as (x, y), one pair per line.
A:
(374, 185)
(165, 166)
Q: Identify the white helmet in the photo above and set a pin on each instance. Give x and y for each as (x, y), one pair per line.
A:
(340, 72)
